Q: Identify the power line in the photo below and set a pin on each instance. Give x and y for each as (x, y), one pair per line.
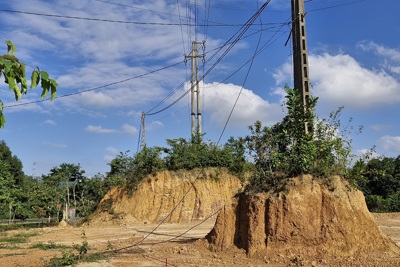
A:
(248, 23)
(338, 5)
(241, 89)
(95, 88)
(231, 44)
(121, 21)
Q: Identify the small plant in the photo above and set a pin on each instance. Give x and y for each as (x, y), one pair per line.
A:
(68, 258)
(109, 245)
(84, 247)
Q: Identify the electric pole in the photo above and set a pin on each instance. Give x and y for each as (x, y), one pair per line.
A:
(143, 144)
(300, 55)
(195, 88)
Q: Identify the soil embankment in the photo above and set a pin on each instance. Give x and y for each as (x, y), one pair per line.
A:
(307, 218)
(183, 196)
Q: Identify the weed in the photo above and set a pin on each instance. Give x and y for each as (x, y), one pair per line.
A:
(109, 245)
(68, 258)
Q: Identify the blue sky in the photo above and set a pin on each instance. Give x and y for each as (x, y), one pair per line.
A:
(354, 56)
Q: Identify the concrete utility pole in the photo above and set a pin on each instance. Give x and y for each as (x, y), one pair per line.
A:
(195, 88)
(300, 54)
(143, 144)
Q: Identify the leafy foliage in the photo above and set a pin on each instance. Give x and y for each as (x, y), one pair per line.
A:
(184, 154)
(379, 179)
(13, 186)
(181, 154)
(285, 150)
(14, 75)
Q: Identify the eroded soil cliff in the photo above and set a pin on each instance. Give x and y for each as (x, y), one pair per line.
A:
(180, 196)
(308, 218)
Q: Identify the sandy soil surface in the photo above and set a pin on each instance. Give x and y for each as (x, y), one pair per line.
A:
(169, 245)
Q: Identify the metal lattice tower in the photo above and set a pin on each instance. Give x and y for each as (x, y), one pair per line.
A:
(300, 54)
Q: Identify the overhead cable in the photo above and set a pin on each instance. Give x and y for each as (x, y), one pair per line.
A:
(95, 88)
(120, 21)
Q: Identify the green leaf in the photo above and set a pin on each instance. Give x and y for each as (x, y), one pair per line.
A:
(10, 47)
(54, 82)
(17, 92)
(44, 75)
(11, 58)
(53, 91)
(2, 120)
(44, 92)
(35, 78)
(11, 82)
(24, 86)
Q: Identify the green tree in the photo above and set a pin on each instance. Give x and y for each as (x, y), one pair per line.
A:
(236, 150)
(285, 150)
(379, 180)
(14, 189)
(129, 171)
(189, 154)
(61, 183)
(14, 74)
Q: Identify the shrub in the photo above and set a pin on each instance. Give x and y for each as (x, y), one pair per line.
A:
(286, 150)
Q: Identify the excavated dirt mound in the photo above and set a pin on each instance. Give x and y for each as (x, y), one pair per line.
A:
(190, 195)
(307, 219)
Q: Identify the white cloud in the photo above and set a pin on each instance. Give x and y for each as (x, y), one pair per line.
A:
(390, 143)
(283, 74)
(390, 57)
(154, 125)
(126, 129)
(112, 150)
(50, 122)
(108, 158)
(99, 129)
(367, 154)
(390, 53)
(129, 129)
(220, 98)
(381, 127)
(132, 91)
(339, 80)
(111, 154)
(55, 145)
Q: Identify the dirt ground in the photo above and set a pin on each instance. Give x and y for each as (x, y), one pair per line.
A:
(131, 245)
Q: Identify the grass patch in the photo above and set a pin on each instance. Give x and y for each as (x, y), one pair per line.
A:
(17, 238)
(95, 257)
(49, 245)
(13, 254)
(9, 246)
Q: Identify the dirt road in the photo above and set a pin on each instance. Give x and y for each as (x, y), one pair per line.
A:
(169, 245)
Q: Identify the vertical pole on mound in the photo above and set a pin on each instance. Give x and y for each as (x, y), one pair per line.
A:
(300, 55)
(143, 144)
(195, 89)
